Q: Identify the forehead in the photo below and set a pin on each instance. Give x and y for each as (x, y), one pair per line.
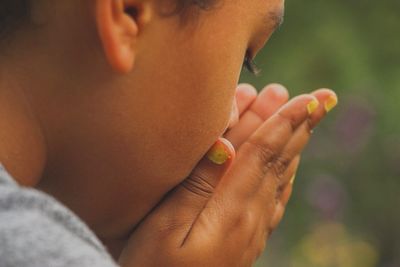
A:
(270, 11)
(274, 17)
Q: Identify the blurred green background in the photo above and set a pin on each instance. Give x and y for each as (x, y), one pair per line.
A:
(345, 210)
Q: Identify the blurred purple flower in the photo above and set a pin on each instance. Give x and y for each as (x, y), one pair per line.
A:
(355, 125)
(327, 196)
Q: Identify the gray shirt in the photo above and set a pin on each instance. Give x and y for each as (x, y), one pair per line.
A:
(37, 231)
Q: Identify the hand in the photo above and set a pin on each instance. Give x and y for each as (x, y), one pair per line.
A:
(252, 110)
(220, 216)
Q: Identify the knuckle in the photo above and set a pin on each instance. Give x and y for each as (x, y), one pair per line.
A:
(287, 121)
(166, 226)
(264, 152)
(270, 159)
(280, 165)
(198, 184)
(245, 219)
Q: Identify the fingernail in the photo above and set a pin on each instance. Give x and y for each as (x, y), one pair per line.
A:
(218, 153)
(292, 179)
(331, 103)
(312, 106)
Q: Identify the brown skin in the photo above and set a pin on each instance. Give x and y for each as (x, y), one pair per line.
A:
(223, 215)
(113, 111)
(111, 135)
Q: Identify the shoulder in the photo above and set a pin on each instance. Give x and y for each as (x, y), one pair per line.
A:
(36, 230)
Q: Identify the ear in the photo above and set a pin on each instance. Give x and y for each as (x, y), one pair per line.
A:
(119, 23)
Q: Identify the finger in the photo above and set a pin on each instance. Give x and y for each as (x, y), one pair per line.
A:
(236, 188)
(215, 163)
(288, 175)
(270, 99)
(260, 150)
(328, 100)
(262, 234)
(274, 177)
(234, 119)
(272, 194)
(275, 174)
(200, 185)
(262, 156)
(277, 216)
(245, 96)
(230, 206)
(282, 201)
(181, 206)
(287, 193)
(268, 199)
(299, 138)
(267, 103)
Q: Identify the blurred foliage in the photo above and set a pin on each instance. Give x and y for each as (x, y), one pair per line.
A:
(345, 208)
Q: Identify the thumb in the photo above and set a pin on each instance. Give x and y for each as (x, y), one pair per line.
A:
(205, 177)
(189, 198)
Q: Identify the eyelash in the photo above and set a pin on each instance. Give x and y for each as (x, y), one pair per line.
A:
(250, 65)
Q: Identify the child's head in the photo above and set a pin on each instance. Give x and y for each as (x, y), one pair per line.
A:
(127, 94)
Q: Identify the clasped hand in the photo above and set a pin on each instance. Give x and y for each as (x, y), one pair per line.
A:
(223, 214)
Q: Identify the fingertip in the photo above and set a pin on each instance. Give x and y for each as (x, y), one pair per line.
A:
(313, 106)
(246, 94)
(301, 100)
(325, 93)
(270, 99)
(221, 152)
(235, 113)
(331, 103)
(279, 91)
(247, 90)
(328, 99)
(299, 109)
(229, 147)
(332, 99)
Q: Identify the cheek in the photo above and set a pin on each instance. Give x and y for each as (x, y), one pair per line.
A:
(198, 114)
(203, 102)
(165, 134)
(181, 98)
(190, 105)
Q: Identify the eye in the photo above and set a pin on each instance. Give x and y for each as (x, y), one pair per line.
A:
(250, 65)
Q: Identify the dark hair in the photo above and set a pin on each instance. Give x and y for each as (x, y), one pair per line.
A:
(14, 13)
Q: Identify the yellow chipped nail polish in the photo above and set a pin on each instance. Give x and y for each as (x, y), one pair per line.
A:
(312, 106)
(330, 103)
(292, 179)
(218, 154)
